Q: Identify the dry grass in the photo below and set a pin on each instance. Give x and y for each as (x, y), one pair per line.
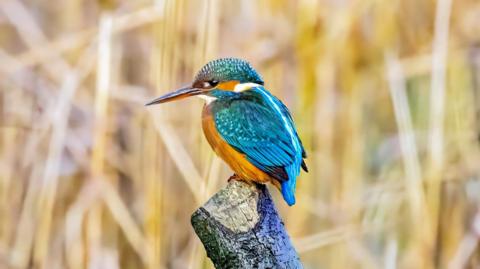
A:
(386, 96)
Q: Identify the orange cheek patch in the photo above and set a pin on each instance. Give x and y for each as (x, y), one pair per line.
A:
(228, 85)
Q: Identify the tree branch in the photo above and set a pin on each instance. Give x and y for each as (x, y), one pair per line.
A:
(240, 228)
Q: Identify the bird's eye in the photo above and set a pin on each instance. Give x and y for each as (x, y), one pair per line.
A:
(209, 84)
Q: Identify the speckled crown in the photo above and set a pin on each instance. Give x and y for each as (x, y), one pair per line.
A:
(226, 69)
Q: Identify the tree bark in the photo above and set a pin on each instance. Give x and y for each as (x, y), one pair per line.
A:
(240, 228)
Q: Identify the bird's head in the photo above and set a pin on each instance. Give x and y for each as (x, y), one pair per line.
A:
(217, 77)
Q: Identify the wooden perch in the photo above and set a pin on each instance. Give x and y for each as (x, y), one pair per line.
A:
(240, 228)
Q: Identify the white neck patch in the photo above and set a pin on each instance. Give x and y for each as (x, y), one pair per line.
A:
(240, 87)
(208, 99)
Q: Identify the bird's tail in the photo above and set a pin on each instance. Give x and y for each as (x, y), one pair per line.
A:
(288, 191)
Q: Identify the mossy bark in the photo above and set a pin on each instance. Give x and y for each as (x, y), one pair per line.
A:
(240, 228)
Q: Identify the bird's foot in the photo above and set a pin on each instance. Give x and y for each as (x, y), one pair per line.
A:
(233, 177)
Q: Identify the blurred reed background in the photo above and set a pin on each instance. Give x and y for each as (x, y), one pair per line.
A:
(385, 94)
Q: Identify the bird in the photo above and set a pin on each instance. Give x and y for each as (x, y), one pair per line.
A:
(247, 126)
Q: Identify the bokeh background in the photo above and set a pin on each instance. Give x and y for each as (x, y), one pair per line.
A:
(385, 95)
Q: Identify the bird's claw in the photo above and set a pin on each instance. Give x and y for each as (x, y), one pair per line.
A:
(233, 177)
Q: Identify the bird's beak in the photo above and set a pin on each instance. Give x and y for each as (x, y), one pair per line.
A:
(176, 95)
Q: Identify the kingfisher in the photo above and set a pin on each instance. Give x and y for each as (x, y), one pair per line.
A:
(247, 126)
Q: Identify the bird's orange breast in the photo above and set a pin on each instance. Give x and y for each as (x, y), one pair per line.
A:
(236, 160)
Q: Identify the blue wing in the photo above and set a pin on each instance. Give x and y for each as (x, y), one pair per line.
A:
(259, 126)
(286, 112)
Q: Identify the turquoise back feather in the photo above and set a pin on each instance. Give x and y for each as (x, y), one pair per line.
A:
(257, 124)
